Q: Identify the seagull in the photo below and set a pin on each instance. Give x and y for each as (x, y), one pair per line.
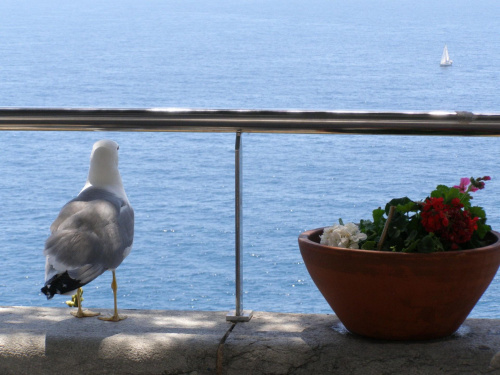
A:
(93, 232)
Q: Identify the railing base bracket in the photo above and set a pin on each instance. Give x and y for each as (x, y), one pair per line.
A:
(245, 316)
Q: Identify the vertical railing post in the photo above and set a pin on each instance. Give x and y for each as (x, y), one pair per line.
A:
(238, 315)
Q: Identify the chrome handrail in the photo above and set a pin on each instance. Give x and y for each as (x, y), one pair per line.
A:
(459, 123)
(248, 121)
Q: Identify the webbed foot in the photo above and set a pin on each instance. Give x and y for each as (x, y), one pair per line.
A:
(113, 318)
(84, 313)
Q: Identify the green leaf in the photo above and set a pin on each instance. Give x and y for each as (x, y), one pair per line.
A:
(477, 211)
(378, 213)
(452, 194)
(407, 207)
(482, 229)
(397, 202)
(411, 247)
(378, 220)
(430, 244)
(393, 232)
(440, 191)
(412, 236)
(369, 245)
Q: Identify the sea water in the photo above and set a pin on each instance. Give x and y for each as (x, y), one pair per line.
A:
(275, 54)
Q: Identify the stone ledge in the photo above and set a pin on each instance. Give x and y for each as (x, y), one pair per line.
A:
(35, 340)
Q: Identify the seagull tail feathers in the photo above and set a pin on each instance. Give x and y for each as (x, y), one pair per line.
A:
(60, 284)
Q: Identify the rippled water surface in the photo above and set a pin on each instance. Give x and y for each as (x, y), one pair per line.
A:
(339, 55)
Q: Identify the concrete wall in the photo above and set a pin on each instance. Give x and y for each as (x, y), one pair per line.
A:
(50, 341)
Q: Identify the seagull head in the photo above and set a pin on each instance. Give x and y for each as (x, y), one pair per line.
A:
(103, 172)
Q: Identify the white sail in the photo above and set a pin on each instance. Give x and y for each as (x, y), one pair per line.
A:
(445, 58)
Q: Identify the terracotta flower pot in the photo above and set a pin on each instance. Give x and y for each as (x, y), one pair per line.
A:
(400, 296)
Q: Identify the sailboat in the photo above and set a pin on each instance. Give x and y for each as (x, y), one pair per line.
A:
(445, 58)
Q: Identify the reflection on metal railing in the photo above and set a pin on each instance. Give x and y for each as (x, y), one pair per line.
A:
(250, 121)
(405, 123)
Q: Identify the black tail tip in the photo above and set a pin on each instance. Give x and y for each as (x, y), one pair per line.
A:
(45, 290)
(60, 284)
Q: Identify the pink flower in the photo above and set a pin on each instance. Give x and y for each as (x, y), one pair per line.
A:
(464, 185)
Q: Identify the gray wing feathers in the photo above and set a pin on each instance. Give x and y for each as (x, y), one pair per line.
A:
(84, 274)
(87, 273)
(126, 223)
(90, 235)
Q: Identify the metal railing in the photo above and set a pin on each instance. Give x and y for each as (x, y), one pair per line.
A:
(404, 123)
(250, 121)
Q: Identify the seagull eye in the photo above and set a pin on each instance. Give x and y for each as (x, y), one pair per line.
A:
(117, 147)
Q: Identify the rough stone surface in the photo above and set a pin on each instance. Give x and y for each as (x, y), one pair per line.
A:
(319, 344)
(42, 341)
(37, 340)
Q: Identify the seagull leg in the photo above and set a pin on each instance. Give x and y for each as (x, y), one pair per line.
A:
(115, 317)
(80, 313)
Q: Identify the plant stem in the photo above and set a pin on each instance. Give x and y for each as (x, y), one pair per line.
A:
(386, 227)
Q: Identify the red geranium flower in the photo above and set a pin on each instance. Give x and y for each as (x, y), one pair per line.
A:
(434, 215)
(448, 221)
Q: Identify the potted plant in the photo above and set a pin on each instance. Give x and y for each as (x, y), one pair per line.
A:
(413, 272)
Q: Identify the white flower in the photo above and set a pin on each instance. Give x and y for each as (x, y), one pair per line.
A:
(346, 236)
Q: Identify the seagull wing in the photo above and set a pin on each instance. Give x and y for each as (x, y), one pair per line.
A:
(93, 233)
